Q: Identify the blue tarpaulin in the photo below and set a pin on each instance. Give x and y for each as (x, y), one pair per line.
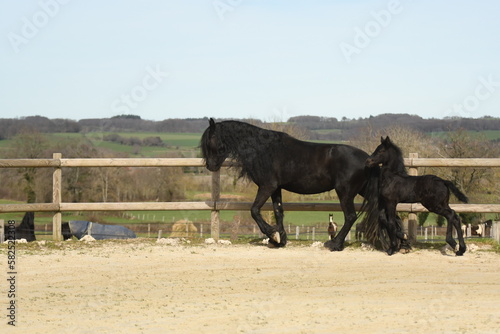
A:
(80, 228)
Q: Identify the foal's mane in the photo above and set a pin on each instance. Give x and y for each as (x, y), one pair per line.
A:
(396, 162)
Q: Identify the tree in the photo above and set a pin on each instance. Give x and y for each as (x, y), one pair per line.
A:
(440, 220)
(476, 182)
(29, 145)
(422, 217)
(408, 139)
(292, 129)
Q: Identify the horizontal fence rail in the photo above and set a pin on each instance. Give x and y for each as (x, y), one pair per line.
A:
(442, 162)
(215, 205)
(198, 162)
(219, 205)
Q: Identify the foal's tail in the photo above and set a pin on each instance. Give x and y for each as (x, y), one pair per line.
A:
(456, 192)
(375, 234)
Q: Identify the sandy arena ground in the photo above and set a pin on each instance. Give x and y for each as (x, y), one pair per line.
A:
(145, 287)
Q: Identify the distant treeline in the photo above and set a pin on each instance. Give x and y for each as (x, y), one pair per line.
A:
(134, 141)
(344, 127)
(347, 128)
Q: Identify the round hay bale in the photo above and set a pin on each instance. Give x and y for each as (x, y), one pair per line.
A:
(183, 229)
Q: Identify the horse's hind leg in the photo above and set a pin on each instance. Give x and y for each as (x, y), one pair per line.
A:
(262, 195)
(279, 214)
(456, 224)
(453, 222)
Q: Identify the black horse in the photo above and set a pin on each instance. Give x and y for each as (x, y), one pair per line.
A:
(396, 186)
(25, 230)
(275, 161)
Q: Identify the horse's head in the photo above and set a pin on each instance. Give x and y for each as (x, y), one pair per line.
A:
(381, 155)
(212, 147)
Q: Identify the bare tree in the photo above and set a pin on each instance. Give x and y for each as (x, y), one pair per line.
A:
(292, 129)
(409, 140)
(29, 145)
(476, 182)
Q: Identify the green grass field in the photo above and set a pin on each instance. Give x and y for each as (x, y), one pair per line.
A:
(171, 139)
(185, 144)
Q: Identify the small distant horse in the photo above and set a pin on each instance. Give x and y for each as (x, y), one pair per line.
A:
(332, 227)
(396, 186)
(275, 161)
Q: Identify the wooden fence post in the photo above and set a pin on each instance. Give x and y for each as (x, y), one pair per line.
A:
(56, 199)
(412, 217)
(215, 215)
(495, 231)
(2, 229)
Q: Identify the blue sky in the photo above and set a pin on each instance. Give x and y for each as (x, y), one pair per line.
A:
(264, 59)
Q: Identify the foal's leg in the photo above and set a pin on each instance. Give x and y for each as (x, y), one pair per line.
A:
(393, 228)
(278, 214)
(262, 195)
(453, 222)
(442, 208)
(461, 242)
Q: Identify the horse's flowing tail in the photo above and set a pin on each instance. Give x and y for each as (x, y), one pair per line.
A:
(456, 192)
(375, 234)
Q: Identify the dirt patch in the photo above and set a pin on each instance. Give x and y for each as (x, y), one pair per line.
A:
(145, 287)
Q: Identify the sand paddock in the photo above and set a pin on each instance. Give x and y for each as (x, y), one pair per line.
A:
(143, 287)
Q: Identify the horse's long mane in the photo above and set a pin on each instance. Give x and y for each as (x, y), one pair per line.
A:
(374, 234)
(251, 147)
(397, 163)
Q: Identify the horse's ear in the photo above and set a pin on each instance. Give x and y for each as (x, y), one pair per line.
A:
(387, 140)
(211, 127)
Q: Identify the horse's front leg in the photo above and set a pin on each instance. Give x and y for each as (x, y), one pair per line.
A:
(279, 214)
(347, 205)
(262, 195)
(393, 229)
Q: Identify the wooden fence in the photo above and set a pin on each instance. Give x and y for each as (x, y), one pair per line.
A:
(215, 204)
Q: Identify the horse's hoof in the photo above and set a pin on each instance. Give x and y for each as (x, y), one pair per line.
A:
(276, 237)
(405, 236)
(390, 252)
(460, 251)
(333, 247)
(277, 240)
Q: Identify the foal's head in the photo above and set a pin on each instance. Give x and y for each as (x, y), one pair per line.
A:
(212, 148)
(385, 153)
